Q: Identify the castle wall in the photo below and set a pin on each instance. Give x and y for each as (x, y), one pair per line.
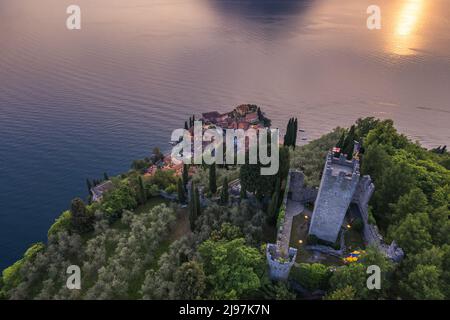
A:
(298, 191)
(364, 192)
(371, 234)
(340, 185)
(309, 194)
(296, 184)
(278, 268)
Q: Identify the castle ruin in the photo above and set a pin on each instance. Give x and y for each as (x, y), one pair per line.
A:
(341, 186)
(340, 179)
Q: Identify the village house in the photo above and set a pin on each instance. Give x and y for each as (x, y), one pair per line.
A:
(210, 117)
(252, 118)
(225, 117)
(166, 164)
(242, 117)
(99, 190)
(245, 109)
(243, 125)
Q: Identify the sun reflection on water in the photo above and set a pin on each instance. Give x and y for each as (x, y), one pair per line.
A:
(405, 35)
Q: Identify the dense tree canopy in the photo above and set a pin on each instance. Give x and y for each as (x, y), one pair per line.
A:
(111, 261)
(189, 281)
(411, 205)
(81, 218)
(232, 267)
(312, 276)
(129, 247)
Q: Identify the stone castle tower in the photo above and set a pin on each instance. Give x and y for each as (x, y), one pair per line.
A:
(337, 187)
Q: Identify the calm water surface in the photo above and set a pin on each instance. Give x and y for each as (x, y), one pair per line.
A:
(76, 104)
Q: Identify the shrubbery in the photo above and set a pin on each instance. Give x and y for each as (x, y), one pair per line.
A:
(311, 276)
(358, 225)
(112, 262)
(61, 223)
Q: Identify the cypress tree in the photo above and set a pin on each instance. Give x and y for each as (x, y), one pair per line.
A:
(284, 164)
(142, 191)
(185, 175)
(181, 194)
(295, 132)
(224, 197)
(340, 143)
(272, 209)
(105, 176)
(278, 186)
(290, 138)
(287, 136)
(291, 134)
(277, 194)
(198, 207)
(89, 186)
(81, 221)
(192, 207)
(212, 178)
(243, 192)
(349, 142)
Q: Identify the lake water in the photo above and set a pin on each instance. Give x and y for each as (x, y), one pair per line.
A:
(74, 104)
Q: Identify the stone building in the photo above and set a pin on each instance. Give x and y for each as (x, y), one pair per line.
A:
(337, 188)
(99, 190)
(341, 185)
(279, 267)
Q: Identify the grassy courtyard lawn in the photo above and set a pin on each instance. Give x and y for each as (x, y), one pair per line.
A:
(299, 232)
(299, 235)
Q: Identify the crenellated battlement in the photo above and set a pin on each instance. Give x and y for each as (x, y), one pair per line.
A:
(341, 165)
(340, 173)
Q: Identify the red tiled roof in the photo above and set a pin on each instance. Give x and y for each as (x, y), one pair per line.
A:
(211, 116)
(243, 125)
(251, 117)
